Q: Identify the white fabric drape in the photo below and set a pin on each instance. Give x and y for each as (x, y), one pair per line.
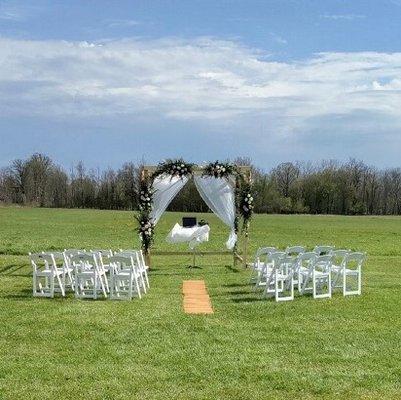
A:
(166, 188)
(194, 236)
(219, 195)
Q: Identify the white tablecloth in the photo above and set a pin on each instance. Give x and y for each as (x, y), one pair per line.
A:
(194, 235)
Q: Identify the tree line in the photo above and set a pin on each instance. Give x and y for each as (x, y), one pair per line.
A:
(329, 187)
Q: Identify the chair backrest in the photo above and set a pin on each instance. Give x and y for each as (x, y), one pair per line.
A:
(294, 250)
(263, 252)
(72, 252)
(275, 258)
(120, 261)
(322, 263)
(84, 261)
(306, 259)
(339, 256)
(103, 252)
(286, 264)
(354, 260)
(42, 261)
(60, 258)
(323, 250)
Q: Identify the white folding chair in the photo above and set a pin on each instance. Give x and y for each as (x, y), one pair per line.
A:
(125, 277)
(270, 258)
(319, 276)
(103, 257)
(337, 260)
(102, 268)
(88, 276)
(294, 251)
(62, 262)
(304, 262)
(260, 261)
(323, 250)
(350, 268)
(281, 278)
(143, 268)
(47, 278)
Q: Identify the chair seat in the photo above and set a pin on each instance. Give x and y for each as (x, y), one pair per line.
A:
(347, 270)
(86, 273)
(305, 271)
(127, 272)
(49, 272)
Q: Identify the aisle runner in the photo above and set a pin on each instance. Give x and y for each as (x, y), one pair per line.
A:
(196, 300)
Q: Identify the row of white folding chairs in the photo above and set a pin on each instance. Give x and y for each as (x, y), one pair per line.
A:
(293, 251)
(90, 274)
(312, 272)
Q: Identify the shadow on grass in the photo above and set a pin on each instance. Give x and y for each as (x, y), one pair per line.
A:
(247, 299)
(231, 268)
(22, 294)
(240, 292)
(7, 269)
(233, 285)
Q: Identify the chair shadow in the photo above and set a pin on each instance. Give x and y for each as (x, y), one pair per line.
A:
(239, 292)
(7, 268)
(247, 299)
(233, 285)
(231, 268)
(22, 294)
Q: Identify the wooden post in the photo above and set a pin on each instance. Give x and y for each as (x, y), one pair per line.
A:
(147, 259)
(144, 177)
(245, 251)
(248, 178)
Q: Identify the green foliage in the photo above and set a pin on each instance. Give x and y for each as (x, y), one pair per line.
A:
(219, 169)
(176, 167)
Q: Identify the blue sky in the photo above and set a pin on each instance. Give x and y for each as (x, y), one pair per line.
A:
(108, 82)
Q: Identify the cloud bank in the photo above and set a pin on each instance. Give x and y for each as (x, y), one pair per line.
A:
(209, 79)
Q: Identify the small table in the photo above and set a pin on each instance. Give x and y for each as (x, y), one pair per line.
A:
(194, 236)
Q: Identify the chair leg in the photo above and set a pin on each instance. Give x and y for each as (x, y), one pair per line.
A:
(61, 283)
(52, 286)
(137, 287)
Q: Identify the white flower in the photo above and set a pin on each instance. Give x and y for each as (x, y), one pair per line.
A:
(178, 167)
(223, 169)
(248, 195)
(251, 199)
(182, 165)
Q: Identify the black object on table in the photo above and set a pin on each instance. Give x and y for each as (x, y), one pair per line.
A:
(188, 222)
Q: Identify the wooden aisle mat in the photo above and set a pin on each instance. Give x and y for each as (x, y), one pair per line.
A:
(196, 299)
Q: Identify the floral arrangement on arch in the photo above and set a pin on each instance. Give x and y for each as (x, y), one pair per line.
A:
(218, 169)
(176, 167)
(145, 197)
(146, 230)
(246, 205)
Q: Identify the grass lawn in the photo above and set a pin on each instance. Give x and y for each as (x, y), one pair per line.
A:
(249, 348)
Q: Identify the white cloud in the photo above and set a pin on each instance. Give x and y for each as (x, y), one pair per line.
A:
(344, 17)
(208, 79)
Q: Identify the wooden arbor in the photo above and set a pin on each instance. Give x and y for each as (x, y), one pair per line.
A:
(246, 174)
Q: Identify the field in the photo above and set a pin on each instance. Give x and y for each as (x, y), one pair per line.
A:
(250, 348)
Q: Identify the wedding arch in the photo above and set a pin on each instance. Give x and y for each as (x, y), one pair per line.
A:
(226, 189)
